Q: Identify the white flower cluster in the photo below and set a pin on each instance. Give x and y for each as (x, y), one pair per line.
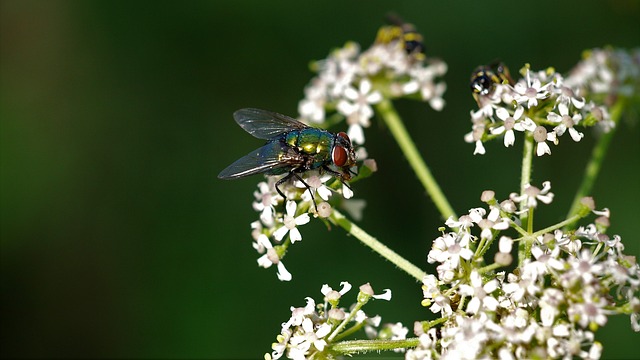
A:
(549, 306)
(546, 105)
(276, 230)
(607, 73)
(350, 81)
(313, 327)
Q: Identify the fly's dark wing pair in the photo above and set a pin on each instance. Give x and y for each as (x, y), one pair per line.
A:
(266, 125)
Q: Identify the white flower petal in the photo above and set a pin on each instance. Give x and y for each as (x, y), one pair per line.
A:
(473, 306)
(498, 130)
(502, 113)
(264, 261)
(410, 87)
(346, 108)
(509, 138)
(346, 192)
(547, 199)
(356, 134)
(505, 245)
(575, 134)
(365, 86)
(351, 93)
(302, 219)
(323, 330)
(518, 113)
(490, 303)
(542, 149)
(563, 109)
(291, 208)
(384, 296)
(374, 97)
(466, 253)
(319, 344)
(280, 233)
(578, 103)
(283, 274)
(324, 193)
(437, 103)
(346, 286)
(325, 289)
(295, 235)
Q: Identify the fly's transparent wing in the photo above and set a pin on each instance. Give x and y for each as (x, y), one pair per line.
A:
(265, 124)
(268, 158)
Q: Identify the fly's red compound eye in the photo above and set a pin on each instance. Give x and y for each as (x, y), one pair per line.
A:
(344, 136)
(339, 155)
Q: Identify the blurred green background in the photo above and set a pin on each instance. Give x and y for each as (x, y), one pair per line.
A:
(117, 238)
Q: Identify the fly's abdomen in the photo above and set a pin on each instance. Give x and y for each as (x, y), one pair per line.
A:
(315, 143)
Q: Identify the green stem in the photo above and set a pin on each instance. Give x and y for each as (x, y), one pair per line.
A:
(549, 229)
(426, 325)
(519, 229)
(344, 322)
(377, 246)
(490, 267)
(392, 119)
(349, 331)
(525, 175)
(595, 163)
(361, 346)
(524, 247)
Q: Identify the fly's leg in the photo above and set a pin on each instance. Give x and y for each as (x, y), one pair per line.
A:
(298, 177)
(337, 175)
(313, 199)
(282, 181)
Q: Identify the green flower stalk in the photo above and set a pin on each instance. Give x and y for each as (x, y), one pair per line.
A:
(377, 246)
(408, 147)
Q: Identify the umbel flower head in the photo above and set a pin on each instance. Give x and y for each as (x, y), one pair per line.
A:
(350, 81)
(280, 221)
(549, 306)
(546, 105)
(313, 328)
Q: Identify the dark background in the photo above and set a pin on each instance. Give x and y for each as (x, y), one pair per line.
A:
(117, 238)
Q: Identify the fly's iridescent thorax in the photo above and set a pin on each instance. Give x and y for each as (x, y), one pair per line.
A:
(311, 141)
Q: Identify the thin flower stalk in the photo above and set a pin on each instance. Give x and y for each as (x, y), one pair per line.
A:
(375, 245)
(348, 347)
(408, 147)
(596, 160)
